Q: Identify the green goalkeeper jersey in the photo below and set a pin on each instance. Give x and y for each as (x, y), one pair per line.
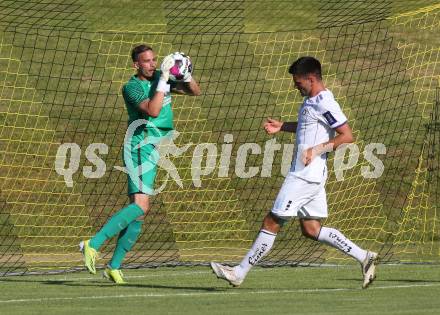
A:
(134, 92)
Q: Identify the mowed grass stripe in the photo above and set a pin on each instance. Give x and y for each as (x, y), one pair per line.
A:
(235, 292)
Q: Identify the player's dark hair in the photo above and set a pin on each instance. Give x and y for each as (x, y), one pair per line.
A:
(136, 51)
(306, 65)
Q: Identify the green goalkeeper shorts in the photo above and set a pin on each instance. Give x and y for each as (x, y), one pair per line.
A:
(142, 169)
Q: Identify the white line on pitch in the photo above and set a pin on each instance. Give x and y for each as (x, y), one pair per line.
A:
(192, 294)
(167, 273)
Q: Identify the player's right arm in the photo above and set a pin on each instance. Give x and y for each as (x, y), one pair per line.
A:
(152, 107)
(273, 126)
(134, 95)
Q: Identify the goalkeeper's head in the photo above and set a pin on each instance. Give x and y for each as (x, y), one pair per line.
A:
(144, 61)
(306, 73)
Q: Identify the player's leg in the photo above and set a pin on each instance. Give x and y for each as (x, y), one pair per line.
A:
(128, 236)
(289, 199)
(139, 186)
(119, 221)
(310, 215)
(312, 229)
(126, 240)
(334, 238)
(261, 246)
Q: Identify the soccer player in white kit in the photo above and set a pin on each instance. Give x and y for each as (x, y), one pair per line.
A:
(303, 194)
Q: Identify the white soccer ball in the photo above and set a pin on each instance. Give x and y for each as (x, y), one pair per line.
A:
(182, 68)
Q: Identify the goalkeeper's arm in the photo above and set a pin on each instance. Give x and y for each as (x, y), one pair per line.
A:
(153, 106)
(191, 88)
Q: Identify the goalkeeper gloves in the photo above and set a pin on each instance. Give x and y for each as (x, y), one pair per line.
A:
(167, 64)
(188, 76)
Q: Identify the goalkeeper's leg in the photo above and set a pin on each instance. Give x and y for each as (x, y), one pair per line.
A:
(126, 240)
(118, 222)
(138, 207)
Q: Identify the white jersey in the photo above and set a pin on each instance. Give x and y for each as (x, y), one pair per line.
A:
(318, 116)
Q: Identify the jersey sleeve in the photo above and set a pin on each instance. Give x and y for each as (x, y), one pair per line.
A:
(330, 113)
(134, 94)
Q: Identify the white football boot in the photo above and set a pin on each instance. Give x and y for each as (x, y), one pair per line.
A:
(369, 268)
(226, 273)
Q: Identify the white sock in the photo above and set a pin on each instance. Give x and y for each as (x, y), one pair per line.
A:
(262, 245)
(337, 240)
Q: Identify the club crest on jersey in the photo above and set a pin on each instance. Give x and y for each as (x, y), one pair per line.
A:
(329, 117)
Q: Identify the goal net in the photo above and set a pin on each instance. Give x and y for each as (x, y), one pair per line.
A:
(63, 122)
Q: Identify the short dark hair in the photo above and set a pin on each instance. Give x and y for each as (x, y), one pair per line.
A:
(136, 51)
(306, 65)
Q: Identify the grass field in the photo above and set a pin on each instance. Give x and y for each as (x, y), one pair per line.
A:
(399, 289)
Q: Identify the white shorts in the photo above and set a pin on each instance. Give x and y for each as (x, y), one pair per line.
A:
(300, 198)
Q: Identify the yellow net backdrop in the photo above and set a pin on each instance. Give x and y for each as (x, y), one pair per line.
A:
(61, 85)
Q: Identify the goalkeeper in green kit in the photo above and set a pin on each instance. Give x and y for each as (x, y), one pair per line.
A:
(148, 102)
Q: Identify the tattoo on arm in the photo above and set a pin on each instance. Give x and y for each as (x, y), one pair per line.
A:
(289, 126)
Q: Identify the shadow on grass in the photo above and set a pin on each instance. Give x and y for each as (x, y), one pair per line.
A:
(103, 284)
(402, 280)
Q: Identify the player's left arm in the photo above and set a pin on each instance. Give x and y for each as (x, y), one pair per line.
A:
(344, 136)
(330, 114)
(191, 88)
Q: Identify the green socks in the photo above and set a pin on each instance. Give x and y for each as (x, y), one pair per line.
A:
(127, 238)
(118, 222)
